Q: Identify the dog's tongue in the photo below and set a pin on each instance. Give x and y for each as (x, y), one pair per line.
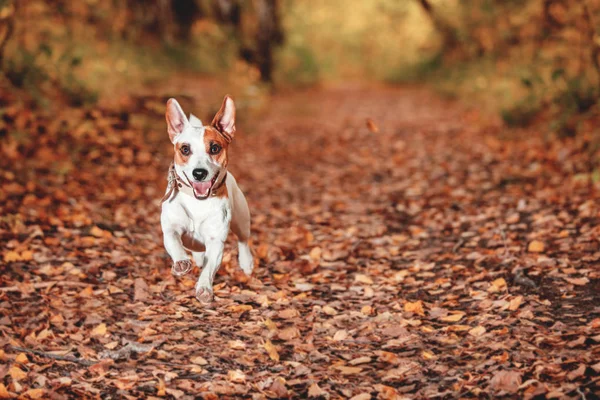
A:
(202, 188)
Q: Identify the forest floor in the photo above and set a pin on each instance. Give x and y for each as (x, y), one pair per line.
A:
(406, 247)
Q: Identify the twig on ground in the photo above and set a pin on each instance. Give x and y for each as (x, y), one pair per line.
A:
(578, 390)
(126, 351)
(503, 234)
(458, 245)
(44, 285)
(521, 279)
(55, 356)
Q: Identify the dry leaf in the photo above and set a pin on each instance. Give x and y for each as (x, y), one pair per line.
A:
(4, 393)
(34, 393)
(578, 281)
(236, 376)
(453, 317)
(315, 391)
(515, 303)
(315, 254)
(21, 358)
(199, 361)
(140, 290)
(271, 350)
(17, 373)
(497, 285)
(289, 313)
(416, 307)
(536, 246)
(506, 381)
(99, 330)
(240, 308)
(363, 279)
(372, 126)
(340, 335)
(329, 310)
(477, 331)
(289, 333)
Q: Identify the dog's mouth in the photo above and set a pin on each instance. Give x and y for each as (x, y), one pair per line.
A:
(202, 189)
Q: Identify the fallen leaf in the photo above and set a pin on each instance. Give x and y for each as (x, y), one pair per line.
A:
(515, 303)
(340, 335)
(21, 358)
(497, 285)
(536, 246)
(506, 381)
(271, 350)
(289, 333)
(315, 391)
(348, 370)
(11, 256)
(453, 317)
(199, 361)
(315, 254)
(578, 281)
(360, 360)
(329, 310)
(4, 393)
(361, 278)
(289, 313)
(372, 126)
(236, 376)
(237, 345)
(140, 290)
(17, 373)
(99, 330)
(416, 307)
(240, 308)
(477, 331)
(361, 396)
(34, 393)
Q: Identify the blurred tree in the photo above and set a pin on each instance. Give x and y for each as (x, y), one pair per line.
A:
(7, 13)
(254, 47)
(448, 32)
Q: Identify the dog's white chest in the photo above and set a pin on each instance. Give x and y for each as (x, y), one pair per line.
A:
(203, 219)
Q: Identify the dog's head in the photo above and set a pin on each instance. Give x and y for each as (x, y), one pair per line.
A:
(201, 151)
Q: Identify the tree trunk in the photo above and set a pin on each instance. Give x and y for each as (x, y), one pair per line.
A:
(449, 35)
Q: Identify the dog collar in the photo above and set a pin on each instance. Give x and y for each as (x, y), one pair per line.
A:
(176, 184)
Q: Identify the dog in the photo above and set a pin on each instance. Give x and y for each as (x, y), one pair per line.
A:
(203, 201)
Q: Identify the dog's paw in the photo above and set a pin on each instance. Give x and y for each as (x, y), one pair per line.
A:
(181, 267)
(204, 295)
(245, 258)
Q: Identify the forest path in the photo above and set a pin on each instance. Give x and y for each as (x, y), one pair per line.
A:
(420, 254)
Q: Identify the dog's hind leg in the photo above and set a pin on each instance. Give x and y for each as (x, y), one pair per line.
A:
(240, 225)
(245, 257)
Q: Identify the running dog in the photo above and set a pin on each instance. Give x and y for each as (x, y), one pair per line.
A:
(203, 200)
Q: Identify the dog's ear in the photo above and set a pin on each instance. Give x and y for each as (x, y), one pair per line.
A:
(176, 120)
(195, 121)
(224, 121)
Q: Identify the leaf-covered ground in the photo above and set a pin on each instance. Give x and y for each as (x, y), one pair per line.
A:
(407, 248)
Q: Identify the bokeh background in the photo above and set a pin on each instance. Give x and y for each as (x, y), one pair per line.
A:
(521, 60)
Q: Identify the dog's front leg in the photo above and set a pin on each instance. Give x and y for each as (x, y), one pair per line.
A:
(181, 261)
(212, 262)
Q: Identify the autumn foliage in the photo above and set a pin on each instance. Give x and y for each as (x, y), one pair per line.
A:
(409, 245)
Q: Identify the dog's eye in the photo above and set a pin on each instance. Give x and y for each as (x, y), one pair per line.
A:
(185, 150)
(215, 148)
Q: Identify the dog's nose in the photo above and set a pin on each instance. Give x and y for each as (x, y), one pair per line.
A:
(200, 174)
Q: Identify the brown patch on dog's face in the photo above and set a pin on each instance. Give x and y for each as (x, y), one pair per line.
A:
(183, 152)
(216, 146)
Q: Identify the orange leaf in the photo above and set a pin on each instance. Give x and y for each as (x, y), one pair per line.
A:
(416, 307)
(271, 350)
